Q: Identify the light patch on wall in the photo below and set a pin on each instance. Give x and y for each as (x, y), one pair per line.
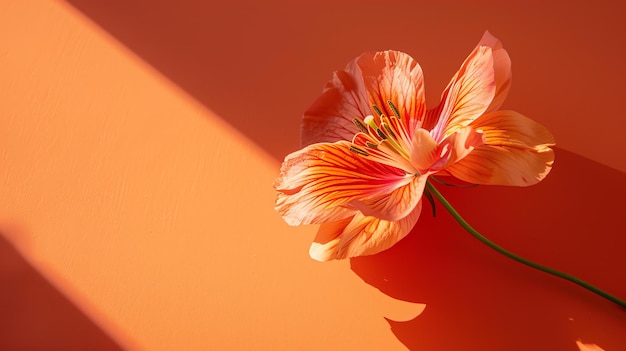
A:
(149, 212)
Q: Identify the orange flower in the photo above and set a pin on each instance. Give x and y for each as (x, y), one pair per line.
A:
(372, 145)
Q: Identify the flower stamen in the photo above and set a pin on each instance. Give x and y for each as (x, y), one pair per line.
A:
(389, 131)
(384, 140)
(386, 134)
(381, 134)
(359, 124)
(394, 109)
(378, 111)
(358, 150)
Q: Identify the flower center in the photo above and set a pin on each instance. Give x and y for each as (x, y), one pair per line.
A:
(384, 139)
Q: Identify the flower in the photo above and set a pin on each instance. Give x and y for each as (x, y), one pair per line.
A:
(371, 145)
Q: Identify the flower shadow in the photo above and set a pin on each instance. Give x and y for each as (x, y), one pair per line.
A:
(477, 299)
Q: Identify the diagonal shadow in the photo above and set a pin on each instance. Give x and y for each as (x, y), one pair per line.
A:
(34, 315)
(260, 64)
(240, 59)
(477, 299)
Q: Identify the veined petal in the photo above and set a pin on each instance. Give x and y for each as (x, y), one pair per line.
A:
(329, 118)
(463, 142)
(467, 96)
(517, 151)
(395, 205)
(511, 128)
(501, 68)
(371, 79)
(502, 77)
(430, 157)
(423, 149)
(360, 236)
(394, 76)
(381, 152)
(321, 182)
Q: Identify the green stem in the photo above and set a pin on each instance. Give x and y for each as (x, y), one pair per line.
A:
(513, 256)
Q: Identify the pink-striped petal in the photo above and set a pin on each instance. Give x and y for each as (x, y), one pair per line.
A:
(468, 95)
(430, 157)
(423, 150)
(370, 79)
(516, 151)
(462, 143)
(322, 182)
(394, 76)
(360, 236)
(502, 77)
(329, 118)
(396, 204)
(501, 68)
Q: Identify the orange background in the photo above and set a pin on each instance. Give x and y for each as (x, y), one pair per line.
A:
(139, 141)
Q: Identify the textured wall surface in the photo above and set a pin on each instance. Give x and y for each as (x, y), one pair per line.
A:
(139, 141)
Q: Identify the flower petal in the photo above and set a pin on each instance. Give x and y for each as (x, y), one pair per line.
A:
(329, 118)
(461, 143)
(394, 76)
(423, 150)
(516, 152)
(360, 236)
(370, 79)
(502, 76)
(322, 182)
(430, 157)
(501, 68)
(396, 204)
(467, 96)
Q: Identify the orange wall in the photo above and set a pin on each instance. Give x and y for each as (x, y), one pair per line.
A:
(139, 141)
